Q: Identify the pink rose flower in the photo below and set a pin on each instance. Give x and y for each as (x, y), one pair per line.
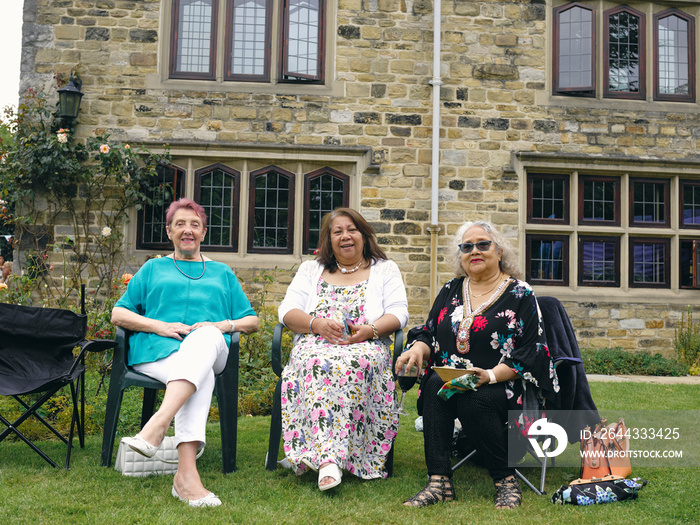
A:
(104, 148)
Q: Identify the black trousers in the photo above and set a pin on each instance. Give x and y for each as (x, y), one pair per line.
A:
(483, 414)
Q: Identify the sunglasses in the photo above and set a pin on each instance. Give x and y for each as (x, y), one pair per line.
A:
(482, 246)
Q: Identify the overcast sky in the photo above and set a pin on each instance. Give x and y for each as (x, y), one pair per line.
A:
(10, 46)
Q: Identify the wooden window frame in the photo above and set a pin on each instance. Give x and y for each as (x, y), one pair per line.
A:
(285, 76)
(567, 197)
(633, 241)
(251, 211)
(565, 258)
(690, 97)
(695, 272)
(598, 238)
(228, 51)
(641, 94)
(683, 185)
(582, 179)
(178, 192)
(582, 91)
(667, 203)
(211, 74)
(233, 247)
(308, 177)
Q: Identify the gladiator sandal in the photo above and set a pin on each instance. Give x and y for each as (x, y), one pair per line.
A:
(508, 494)
(438, 489)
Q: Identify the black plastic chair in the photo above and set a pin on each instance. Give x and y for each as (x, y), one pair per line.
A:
(37, 360)
(276, 419)
(123, 377)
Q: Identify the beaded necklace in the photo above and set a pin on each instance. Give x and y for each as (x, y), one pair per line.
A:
(345, 270)
(204, 267)
(469, 315)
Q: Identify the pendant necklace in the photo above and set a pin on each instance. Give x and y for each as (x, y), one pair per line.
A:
(204, 267)
(345, 270)
(469, 315)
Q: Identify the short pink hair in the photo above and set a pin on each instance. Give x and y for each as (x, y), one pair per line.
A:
(181, 204)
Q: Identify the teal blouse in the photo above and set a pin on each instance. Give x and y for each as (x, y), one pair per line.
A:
(159, 291)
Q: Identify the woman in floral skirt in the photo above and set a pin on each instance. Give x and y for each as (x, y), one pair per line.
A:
(337, 389)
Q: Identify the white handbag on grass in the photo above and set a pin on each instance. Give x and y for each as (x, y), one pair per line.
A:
(131, 463)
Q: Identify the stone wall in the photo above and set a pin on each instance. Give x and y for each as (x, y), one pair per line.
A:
(494, 102)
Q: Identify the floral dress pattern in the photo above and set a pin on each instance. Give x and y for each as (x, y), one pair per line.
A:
(337, 400)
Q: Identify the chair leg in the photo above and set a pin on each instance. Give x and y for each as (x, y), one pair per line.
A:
(275, 428)
(150, 396)
(227, 395)
(114, 403)
(389, 463)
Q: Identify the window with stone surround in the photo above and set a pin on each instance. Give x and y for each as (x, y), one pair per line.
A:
(258, 40)
(247, 201)
(151, 234)
(630, 228)
(630, 65)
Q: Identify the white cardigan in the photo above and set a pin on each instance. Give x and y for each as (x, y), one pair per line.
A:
(386, 293)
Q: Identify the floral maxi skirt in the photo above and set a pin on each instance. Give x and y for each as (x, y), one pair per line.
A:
(337, 403)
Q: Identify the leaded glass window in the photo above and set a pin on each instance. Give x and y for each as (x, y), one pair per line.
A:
(674, 38)
(194, 42)
(249, 46)
(574, 49)
(272, 208)
(217, 190)
(624, 45)
(302, 58)
(325, 190)
(152, 233)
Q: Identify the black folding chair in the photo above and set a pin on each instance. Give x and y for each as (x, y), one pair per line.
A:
(123, 376)
(276, 419)
(575, 401)
(37, 360)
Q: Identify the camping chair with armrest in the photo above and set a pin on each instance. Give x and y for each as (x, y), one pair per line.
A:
(276, 418)
(37, 361)
(576, 408)
(123, 377)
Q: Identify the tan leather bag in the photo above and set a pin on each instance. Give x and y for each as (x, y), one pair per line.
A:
(604, 451)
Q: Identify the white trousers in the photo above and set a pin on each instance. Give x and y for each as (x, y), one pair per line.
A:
(202, 355)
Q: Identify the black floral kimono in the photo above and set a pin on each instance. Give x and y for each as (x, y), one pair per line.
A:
(509, 331)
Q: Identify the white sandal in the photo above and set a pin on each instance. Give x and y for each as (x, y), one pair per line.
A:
(330, 471)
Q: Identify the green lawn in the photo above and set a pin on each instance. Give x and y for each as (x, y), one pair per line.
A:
(32, 492)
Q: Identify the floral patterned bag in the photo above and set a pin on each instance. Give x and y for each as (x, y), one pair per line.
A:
(596, 491)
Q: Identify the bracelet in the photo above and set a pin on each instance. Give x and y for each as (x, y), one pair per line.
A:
(233, 326)
(492, 377)
(311, 330)
(375, 331)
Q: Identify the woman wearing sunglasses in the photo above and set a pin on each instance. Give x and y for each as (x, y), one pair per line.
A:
(487, 322)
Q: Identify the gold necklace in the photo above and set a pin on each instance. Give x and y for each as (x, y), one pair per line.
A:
(487, 291)
(465, 324)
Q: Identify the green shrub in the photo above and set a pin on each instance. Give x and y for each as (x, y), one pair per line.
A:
(618, 361)
(256, 379)
(687, 342)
